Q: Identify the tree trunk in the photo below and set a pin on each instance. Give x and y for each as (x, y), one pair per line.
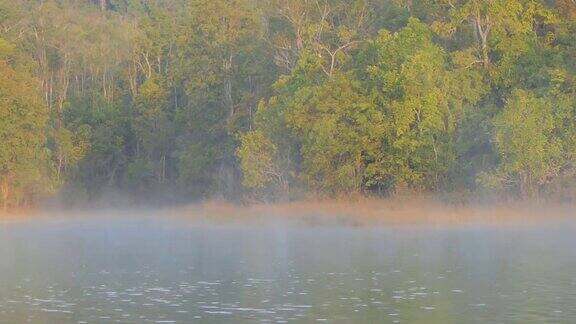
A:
(483, 27)
(5, 191)
(228, 86)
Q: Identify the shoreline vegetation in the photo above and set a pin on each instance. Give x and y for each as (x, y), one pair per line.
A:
(177, 101)
(412, 211)
(399, 211)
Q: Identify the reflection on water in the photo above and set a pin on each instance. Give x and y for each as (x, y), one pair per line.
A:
(140, 271)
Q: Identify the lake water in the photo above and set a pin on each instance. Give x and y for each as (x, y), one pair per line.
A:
(149, 270)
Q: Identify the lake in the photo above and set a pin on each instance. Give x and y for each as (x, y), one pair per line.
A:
(132, 269)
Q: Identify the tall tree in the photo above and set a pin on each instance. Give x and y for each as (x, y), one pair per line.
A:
(24, 167)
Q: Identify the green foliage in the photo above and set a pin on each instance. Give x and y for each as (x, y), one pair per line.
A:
(153, 125)
(529, 149)
(422, 103)
(24, 167)
(257, 155)
(285, 97)
(107, 130)
(338, 128)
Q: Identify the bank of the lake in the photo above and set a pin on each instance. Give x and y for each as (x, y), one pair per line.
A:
(356, 211)
(364, 211)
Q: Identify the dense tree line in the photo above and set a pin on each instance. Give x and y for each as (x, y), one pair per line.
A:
(181, 99)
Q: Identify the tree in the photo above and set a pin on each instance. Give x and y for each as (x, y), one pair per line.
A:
(499, 26)
(222, 42)
(153, 125)
(24, 167)
(524, 134)
(339, 129)
(330, 29)
(421, 100)
(259, 162)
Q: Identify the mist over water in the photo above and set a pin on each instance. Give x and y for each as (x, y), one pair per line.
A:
(134, 268)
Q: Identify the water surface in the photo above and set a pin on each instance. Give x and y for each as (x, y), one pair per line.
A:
(156, 270)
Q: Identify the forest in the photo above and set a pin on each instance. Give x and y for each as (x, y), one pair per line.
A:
(179, 100)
